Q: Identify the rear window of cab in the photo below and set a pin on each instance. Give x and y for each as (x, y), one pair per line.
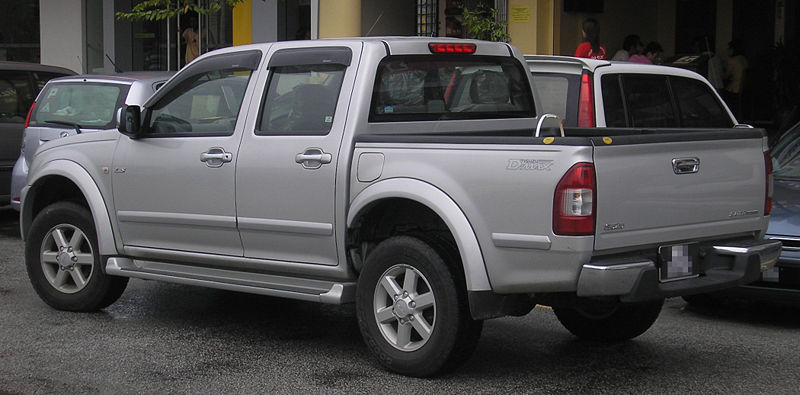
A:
(84, 104)
(442, 87)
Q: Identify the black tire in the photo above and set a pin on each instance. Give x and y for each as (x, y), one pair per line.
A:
(68, 274)
(599, 321)
(453, 334)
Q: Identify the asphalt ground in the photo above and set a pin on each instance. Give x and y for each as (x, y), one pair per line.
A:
(166, 338)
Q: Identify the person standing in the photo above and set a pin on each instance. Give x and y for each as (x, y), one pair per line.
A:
(734, 82)
(591, 47)
(192, 43)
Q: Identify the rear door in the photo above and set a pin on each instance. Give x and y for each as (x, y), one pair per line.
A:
(678, 186)
(286, 172)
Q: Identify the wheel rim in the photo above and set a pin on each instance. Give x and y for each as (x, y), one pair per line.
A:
(67, 258)
(405, 313)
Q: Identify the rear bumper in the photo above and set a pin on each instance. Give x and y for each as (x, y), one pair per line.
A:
(635, 279)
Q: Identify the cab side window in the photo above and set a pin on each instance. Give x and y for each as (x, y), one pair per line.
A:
(301, 99)
(204, 104)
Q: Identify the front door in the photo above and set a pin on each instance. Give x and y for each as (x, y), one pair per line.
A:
(287, 166)
(174, 188)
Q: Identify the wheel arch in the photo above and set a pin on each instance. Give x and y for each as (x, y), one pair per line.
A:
(74, 183)
(441, 205)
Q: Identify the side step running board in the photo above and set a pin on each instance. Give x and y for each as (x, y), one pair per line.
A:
(255, 283)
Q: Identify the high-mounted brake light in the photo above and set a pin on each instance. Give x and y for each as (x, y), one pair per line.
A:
(573, 202)
(768, 193)
(28, 118)
(464, 48)
(586, 103)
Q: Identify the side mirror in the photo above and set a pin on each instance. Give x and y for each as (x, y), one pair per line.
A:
(131, 122)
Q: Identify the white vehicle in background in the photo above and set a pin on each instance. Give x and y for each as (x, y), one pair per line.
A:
(79, 104)
(600, 93)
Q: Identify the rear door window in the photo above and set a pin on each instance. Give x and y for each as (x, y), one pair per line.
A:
(301, 99)
(649, 101)
(698, 105)
(85, 104)
(558, 94)
(434, 87)
(16, 96)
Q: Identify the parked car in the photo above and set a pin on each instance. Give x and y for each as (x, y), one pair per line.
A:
(599, 93)
(19, 85)
(72, 105)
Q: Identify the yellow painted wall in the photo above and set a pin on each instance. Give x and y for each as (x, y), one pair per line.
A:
(522, 24)
(530, 25)
(243, 23)
(339, 18)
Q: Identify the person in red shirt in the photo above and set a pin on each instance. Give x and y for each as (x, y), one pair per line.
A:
(591, 47)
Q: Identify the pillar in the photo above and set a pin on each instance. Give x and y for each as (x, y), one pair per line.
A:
(339, 18)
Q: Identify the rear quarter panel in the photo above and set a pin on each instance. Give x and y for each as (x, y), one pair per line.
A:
(506, 193)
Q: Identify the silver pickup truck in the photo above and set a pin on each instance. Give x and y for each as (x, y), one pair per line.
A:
(409, 176)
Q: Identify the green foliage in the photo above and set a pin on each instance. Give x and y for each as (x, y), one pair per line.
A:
(159, 10)
(482, 24)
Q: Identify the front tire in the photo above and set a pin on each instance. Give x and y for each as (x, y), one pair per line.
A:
(413, 311)
(63, 260)
(599, 321)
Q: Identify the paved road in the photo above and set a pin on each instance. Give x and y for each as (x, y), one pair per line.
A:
(164, 338)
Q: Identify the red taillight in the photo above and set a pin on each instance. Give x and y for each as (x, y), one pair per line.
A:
(573, 203)
(768, 193)
(28, 118)
(586, 103)
(465, 48)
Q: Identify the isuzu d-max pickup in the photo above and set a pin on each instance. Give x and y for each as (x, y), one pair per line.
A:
(410, 176)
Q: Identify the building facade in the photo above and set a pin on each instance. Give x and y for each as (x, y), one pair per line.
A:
(86, 36)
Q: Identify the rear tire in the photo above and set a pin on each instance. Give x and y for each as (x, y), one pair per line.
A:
(599, 321)
(63, 260)
(412, 310)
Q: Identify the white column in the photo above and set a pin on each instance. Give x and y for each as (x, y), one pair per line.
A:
(62, 34)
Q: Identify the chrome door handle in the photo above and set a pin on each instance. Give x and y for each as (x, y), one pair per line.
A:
(313, 158)
(686, 165)
(216, 157)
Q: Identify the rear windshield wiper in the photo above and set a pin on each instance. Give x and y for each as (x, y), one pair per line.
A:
(65, 123)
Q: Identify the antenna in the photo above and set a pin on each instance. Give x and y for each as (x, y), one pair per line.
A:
(374, 24)
(116, 69)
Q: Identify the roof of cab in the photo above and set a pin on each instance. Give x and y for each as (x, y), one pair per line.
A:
(397, 45)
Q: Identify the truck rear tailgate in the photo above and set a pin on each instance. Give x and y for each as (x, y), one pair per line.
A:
(677, 187)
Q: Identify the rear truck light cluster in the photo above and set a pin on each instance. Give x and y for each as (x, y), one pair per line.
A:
(574, 203)
(768, 192)
(462, 48)
(586, 102)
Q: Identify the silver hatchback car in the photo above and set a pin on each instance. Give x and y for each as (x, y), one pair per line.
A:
(79, 104)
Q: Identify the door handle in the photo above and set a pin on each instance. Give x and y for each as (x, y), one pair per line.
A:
(685, 165)
(216, 157)
(313, 158)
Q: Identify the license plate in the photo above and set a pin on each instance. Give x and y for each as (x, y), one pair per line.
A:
(678, 262)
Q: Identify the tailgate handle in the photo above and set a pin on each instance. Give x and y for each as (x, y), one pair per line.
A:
(685, 165)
